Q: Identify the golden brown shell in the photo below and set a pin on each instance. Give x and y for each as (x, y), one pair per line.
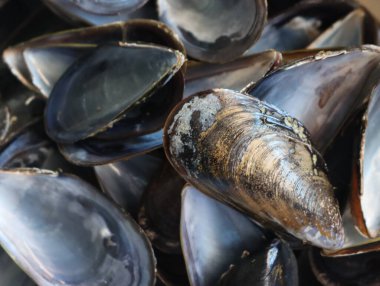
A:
(249, 154)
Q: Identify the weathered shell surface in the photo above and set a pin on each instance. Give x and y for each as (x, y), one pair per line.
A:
(322, 91)
(249, 154)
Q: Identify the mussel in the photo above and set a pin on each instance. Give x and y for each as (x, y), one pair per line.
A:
(19, 109)
(98, 12)
(322, 91)
(72, 235)
(366, 173)
(355, 270)
(215, 31)
(126, 181)
(213, 236)
(40, 62)
(257, 158)
(233, 75)
(332, 23)
(145, 82)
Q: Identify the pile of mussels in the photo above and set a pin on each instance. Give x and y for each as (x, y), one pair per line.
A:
(187, 142)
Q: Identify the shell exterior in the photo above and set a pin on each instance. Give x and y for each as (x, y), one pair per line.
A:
(160, 210)
(93, 152)
(322, 91)
(366, 175)
(40, 62)
(125, 181)
(73, 235)
(233, 75)
(354, 242)
(360, 269)
(251, 155)
(19, 109)
(213, 236)
(101, 12)
(347, 32)
(275, 265)
(82, 102)
(299, 25)
(30, 149)
(232, 26)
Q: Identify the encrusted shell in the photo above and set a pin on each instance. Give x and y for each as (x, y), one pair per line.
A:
(249, 154)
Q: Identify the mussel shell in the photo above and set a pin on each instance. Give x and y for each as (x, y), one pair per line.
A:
(92, 152)
(82, 102)
(19, 109)
(73, 236)
(125, 181)
(32, 61)
(296, 33)
(149, 116)
(213, 236)
(347, 32)
(160, 211)
(354, 242)
(329, 12)
(104, 7)
(215, 31)
(275, 265)
(322, 91)
(233, 75)
(361, 269)
(318, 13)
(30, 149)
(251, 155)
(47, 64)
(79, 13)
(366, 174)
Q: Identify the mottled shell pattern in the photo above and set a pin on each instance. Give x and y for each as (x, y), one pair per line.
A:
(253, 156)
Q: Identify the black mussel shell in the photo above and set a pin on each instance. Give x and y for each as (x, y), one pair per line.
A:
(96, 12)
(19, 109)
(92, 152)
(125, 181)
(215, 31)
(353, 270)
(73, 235)
(160, 212)
(97, 90)
(40, 62)
(322, 91)
(276, 265)
(232, 75)
(213, 236)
